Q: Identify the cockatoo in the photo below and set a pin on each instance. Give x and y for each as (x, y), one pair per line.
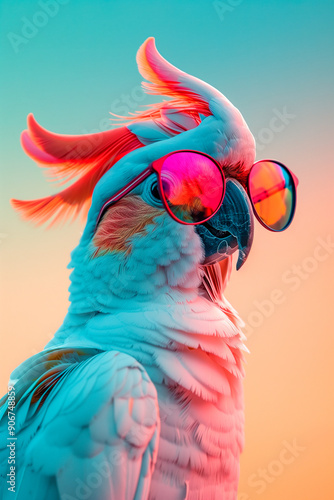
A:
(139, 393)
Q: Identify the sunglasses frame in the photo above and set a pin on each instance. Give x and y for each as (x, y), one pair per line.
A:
(295, 183)
(156, 168)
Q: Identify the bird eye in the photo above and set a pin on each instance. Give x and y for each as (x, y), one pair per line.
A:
(155, 191)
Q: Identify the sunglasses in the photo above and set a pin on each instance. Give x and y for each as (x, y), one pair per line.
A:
(191, 186)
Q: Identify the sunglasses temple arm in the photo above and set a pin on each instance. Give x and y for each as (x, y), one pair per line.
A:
(123, 192)
(130, 186)
(273, 190)
(268, 192)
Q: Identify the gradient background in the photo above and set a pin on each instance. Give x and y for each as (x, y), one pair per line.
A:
(264, 56)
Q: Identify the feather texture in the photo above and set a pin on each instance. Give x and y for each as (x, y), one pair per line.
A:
(139, 394)
(85, 158)
(100, 436)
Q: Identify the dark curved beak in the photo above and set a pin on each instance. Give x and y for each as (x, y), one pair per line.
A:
(231, 229)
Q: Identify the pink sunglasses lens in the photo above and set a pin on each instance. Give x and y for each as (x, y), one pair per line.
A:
(193, 186)
(273, 194)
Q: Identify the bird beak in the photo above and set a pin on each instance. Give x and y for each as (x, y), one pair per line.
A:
(231, 228)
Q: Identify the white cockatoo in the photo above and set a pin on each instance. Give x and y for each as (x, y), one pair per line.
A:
(139, 393)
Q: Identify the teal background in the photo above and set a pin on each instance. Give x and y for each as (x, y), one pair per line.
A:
(261, 55)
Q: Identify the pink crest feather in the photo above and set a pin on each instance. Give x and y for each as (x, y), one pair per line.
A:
(86, 158)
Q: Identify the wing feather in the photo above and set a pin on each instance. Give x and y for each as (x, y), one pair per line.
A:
(90, 425)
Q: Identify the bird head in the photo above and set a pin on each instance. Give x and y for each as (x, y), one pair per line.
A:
(136, 250)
